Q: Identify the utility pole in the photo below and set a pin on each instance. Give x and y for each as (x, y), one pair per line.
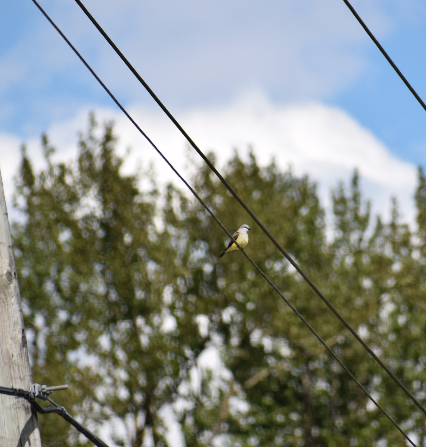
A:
(18, 423)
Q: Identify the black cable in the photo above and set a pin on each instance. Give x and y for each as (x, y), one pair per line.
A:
(222, 226)
(382, 50)
(252, 215)
(28, 395)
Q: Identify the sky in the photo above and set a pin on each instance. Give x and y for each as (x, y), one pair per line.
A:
(297, 80)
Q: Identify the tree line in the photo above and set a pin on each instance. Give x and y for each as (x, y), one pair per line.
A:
(125, 298)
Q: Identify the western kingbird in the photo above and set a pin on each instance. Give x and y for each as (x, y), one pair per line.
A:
(241, 236)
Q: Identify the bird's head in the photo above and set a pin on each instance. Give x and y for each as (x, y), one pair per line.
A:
(245, 227)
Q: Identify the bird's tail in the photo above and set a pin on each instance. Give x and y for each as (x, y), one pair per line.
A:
(224, 251)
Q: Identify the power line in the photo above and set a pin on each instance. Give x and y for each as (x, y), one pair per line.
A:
(250, 212)
(223, 227)
(388, 58)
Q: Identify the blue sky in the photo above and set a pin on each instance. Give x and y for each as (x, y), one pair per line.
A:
(202, 55)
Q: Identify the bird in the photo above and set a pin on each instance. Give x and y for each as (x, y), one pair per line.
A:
(241, 236)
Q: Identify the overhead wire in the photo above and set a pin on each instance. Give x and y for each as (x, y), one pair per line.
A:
(385, 54)
(252, 214)
(299, 315)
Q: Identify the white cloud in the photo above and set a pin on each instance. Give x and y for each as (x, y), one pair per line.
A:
(322, 141)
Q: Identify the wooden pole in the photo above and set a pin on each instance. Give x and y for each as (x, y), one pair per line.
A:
(18, 423)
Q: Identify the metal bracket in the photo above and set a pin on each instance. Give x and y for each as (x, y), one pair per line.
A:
(43, 391)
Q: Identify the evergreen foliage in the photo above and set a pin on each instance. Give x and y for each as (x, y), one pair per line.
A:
(129, 310)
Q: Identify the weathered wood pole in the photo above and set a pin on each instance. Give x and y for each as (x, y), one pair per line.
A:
(18, 424)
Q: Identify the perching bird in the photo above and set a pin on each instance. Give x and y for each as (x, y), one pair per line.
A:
(241, 236)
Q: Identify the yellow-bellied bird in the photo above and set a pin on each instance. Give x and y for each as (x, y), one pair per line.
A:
(241, 236)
